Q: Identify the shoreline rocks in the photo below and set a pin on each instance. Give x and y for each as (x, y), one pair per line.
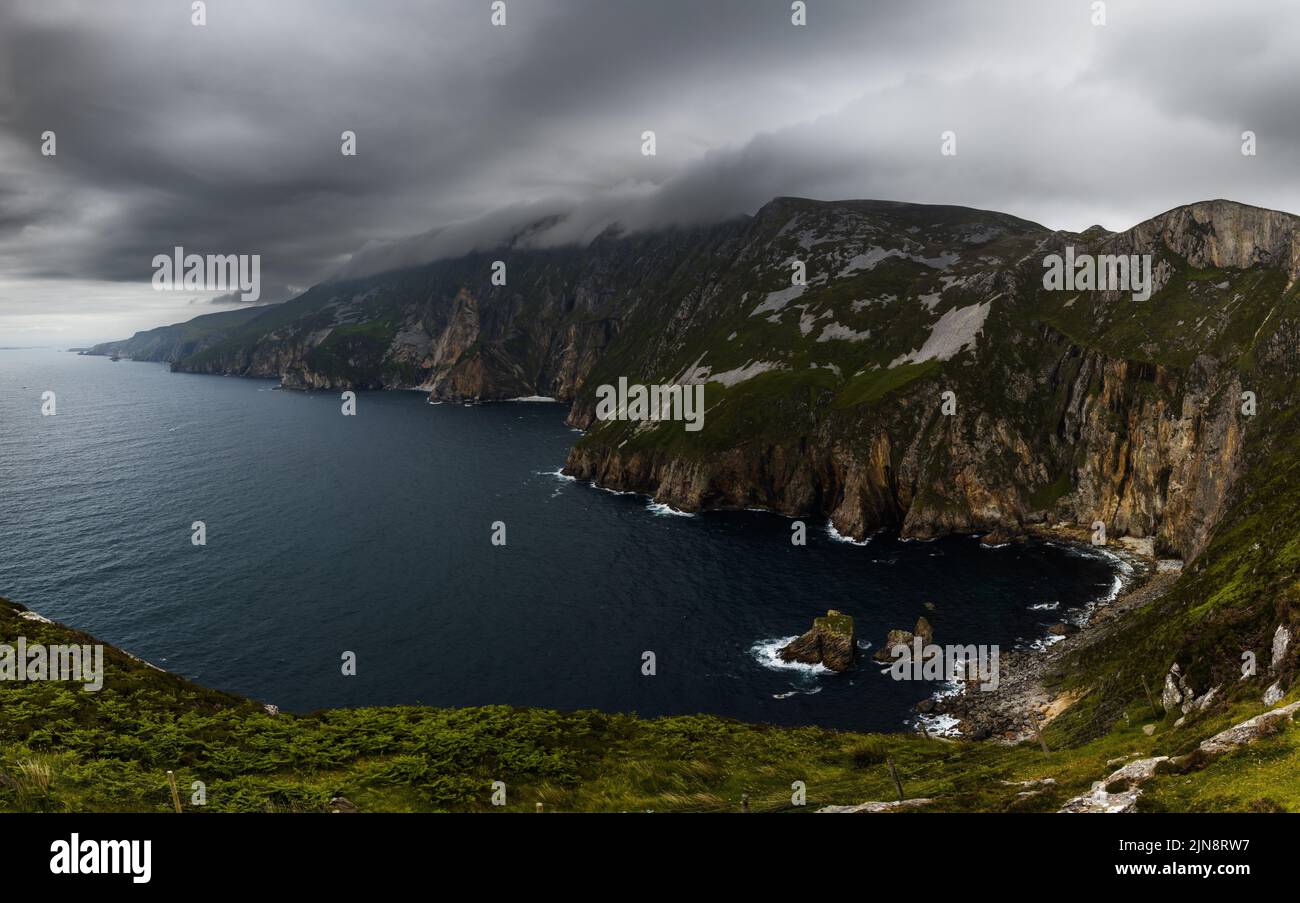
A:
(1022, 702)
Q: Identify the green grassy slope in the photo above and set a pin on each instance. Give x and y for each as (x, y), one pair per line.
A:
(168, 343)
(62, 749)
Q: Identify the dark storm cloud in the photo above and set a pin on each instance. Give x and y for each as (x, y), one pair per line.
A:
(225, 139)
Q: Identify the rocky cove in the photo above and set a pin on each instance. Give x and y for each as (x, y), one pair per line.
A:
(1023, 702)
(992, 694)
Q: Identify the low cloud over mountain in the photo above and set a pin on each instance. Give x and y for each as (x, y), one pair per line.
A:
(207, 137)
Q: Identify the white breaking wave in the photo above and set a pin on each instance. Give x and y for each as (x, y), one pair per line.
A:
(1094, 552)
(659, 509)
(614, 491)
(1116, 587)
(1124, 573)
(765, 652)
(840, 537)
(563, 478)
(937, 725)
(1043, 642)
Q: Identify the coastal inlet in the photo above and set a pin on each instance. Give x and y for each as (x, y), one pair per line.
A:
(371, 534)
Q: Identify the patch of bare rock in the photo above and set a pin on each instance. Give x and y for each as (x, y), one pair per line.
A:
(863, 808)
(1119, 792)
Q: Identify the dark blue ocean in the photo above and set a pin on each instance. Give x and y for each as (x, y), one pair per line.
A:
(371, 534)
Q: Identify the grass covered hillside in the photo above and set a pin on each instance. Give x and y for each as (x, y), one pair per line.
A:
(62, 749)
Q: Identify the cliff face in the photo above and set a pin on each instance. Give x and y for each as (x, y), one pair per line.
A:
(1222, 234)
(1085, 406)
(449, 329)
(875, 363)
(1143, 464)
(172, 343)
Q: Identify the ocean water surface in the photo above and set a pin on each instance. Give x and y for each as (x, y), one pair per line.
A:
(371, 534)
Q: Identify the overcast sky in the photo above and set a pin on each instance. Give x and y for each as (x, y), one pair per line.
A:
(225, 139)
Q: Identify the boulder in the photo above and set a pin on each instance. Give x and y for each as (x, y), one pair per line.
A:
(997, 537)
(1176, 694)
(876, 807)
(1249, 730)
(1281, 639)
(1098, 800)
(924, 631)
(1203, 702)
(341, 804)
(899, 637)
(895, 638)
(1273, 695)
(1120, 791)
(831, 642)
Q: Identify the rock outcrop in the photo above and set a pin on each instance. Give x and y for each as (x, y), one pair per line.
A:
(1120, 791)
(1281, 640)
(898, 637)
(874, 807)
(1176, 691)
(830, 642)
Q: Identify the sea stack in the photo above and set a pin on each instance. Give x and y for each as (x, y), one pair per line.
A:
(899, 637)
(829, 643)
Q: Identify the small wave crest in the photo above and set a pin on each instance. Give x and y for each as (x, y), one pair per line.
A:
(765, 653)
(659, 509)
(840, 537)
(614, 491)
(938, 725)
